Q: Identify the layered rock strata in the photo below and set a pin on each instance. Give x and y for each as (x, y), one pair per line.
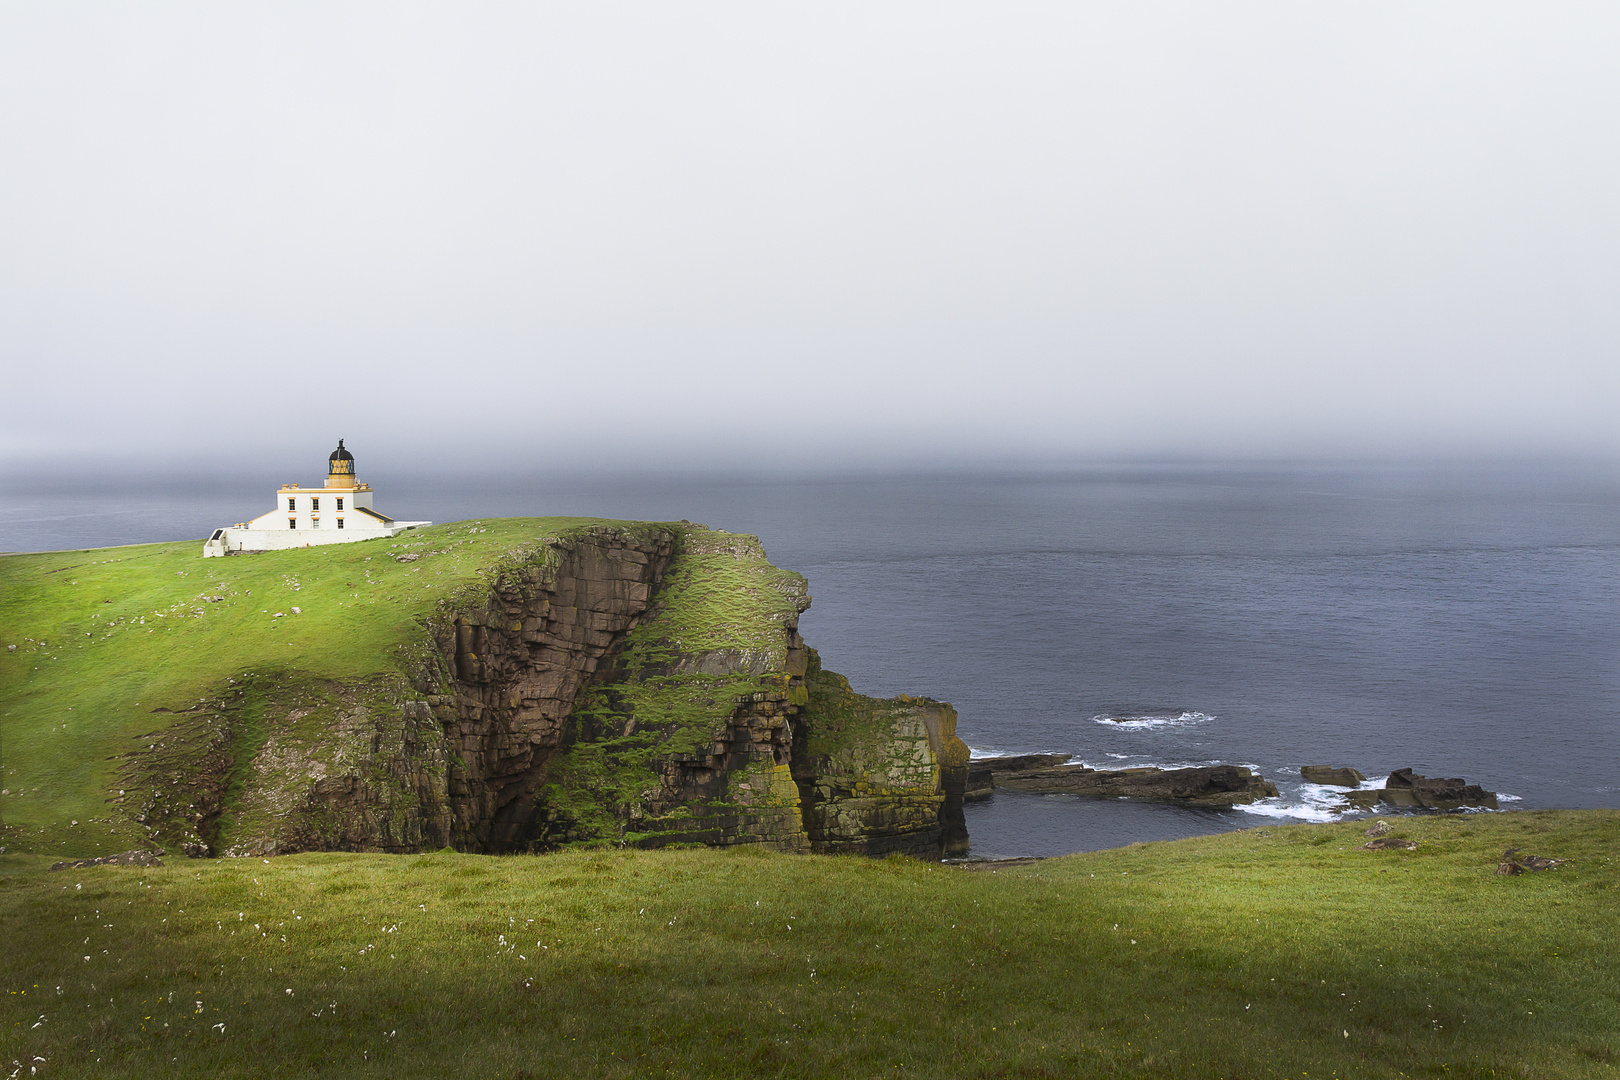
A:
(877, 776)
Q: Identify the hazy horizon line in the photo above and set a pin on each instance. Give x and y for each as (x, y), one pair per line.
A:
(47, 473)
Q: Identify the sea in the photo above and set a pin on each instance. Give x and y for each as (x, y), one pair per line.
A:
(1463, 621)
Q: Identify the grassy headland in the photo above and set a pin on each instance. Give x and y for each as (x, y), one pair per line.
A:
(1283, 951)
(113, 647)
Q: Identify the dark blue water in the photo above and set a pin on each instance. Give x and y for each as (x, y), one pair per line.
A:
(1462, 622)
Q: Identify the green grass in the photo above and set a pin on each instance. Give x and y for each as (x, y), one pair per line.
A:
(1282, 951)
(110, 640)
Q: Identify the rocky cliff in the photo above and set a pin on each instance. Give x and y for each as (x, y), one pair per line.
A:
(615, 683)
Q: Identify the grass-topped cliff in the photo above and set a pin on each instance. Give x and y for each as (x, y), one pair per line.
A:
(114, 645)
(512, 684)
(1275, 952)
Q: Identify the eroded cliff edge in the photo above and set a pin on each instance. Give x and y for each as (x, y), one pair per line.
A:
(630, 683)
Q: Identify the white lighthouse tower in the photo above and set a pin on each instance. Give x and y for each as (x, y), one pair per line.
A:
(341, 512)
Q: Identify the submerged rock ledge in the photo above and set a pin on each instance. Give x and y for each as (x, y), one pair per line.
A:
(1206, 785)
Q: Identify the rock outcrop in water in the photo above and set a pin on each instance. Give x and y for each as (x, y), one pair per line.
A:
(1342, 776)
(627, 684)
(1405, 788)
(982, 772)
(1207, 785)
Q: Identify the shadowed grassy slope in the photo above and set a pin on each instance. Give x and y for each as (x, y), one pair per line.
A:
(107, 638)
(1272, 952)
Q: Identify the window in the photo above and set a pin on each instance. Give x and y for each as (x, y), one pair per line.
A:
(292, 523)
(291, 506)
(340, 520)
(340, 506)
(315, 506)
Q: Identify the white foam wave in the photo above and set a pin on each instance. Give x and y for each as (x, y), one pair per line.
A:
(1277, 808)
(1150, 721)
(979, 752)
(1309, 802)
(1502, 796)
(1165, 765)
(1322, 802)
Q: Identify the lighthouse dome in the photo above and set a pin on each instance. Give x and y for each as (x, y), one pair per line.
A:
(340, 468)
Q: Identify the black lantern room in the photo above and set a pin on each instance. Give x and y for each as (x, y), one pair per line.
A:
(340, 468)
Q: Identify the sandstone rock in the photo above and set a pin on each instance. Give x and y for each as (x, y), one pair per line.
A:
(1360, 800)
(1208, 785)
(1341, 776)
(1378, 828)
(1404, 788)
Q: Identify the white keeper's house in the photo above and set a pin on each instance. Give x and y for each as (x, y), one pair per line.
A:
(339, 513)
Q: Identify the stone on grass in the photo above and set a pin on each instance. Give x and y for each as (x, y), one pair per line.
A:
(1514, 863)
(123, 858)
(1389, 843)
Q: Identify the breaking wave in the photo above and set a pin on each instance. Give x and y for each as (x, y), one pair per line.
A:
(1146, 721)
(978, 752)
(1124, 761)
(1309, 802)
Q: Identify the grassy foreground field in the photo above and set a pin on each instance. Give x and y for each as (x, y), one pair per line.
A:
(1273, 952)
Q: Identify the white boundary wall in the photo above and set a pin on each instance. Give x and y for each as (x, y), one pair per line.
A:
(250, 539)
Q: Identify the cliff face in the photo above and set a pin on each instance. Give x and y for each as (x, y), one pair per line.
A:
(640, 684)
(877, 776)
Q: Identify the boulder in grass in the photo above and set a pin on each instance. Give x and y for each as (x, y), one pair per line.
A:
(1378, 828)
(1390, 843)
(1514, 863)
(1340, 776)
(123, 858)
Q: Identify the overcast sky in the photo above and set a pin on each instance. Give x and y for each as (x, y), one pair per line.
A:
(809, 234)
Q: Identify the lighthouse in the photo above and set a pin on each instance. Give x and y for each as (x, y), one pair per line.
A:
(339, 512)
